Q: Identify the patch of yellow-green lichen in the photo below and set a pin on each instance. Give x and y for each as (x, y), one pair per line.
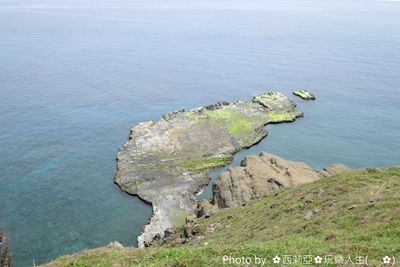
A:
(206, 163)
(276, 117)
(237, 123)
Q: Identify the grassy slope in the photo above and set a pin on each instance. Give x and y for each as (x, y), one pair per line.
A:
(358, 213)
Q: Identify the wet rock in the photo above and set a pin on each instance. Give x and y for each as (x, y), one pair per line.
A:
(304, 94)
(165, 161)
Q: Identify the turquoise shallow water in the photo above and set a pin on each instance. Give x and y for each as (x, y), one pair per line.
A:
(75, 76)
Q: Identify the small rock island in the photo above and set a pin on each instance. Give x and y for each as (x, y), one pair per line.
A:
(165, 162)
(304, 94)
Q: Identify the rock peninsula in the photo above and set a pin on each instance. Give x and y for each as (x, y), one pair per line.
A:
(165, 162)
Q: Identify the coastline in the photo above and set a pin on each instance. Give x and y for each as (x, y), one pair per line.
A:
(165, 162)
(333, 199)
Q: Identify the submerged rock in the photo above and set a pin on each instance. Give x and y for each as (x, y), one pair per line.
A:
(306, 95)
(165, 161)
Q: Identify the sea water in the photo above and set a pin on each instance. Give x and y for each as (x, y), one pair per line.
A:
(76, 75)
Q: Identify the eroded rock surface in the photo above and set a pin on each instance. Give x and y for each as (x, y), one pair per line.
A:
(165, 161)
(262, 175)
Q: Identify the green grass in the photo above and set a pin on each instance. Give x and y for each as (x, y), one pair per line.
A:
(206, 163)
(276, 117)
(358, 213)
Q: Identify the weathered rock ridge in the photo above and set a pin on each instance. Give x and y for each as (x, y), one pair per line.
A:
(304, 94)
(165, 161)
(260, 176)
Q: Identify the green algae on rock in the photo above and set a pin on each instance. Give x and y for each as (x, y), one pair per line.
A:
(165, 162)
(306, 95)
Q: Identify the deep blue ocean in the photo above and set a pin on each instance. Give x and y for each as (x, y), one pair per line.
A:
(76, 75)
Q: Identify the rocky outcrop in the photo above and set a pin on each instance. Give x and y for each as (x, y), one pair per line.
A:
(115, 244)
(165, 161)
(306, 95)
(205, 209)
(5, 258)
(334, 169)
(5, 255)
(262, 175)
